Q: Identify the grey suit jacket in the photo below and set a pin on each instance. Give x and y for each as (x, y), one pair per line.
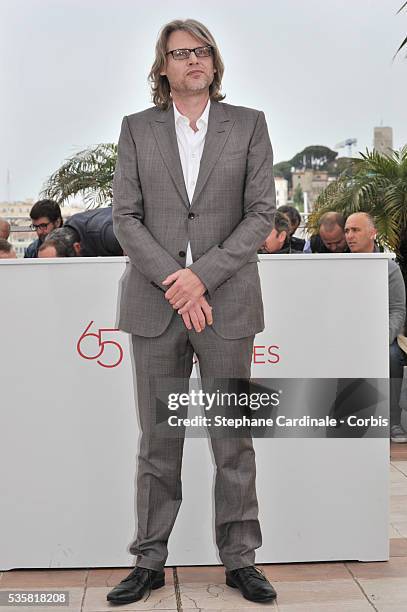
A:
(226, 222)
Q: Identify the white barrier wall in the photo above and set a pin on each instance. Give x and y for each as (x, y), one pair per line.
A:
(70, 431)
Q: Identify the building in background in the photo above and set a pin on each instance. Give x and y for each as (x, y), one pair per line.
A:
(383, 140)
(308, 173)
(281, 191)
(312, 183)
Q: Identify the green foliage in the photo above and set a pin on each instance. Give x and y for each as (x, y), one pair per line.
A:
(377, 185)
(339, 165)
(88, 173)
(315, 156)
(283, 169)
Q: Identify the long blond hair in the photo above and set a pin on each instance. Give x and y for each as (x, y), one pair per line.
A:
(160, 87)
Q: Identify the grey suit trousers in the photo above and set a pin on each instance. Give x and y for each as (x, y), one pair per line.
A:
(159, 489)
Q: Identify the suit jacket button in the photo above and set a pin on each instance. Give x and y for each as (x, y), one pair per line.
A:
(220, 246)
(182, 253)
(191, 216)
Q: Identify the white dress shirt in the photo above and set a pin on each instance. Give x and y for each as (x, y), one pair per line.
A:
(190, 147)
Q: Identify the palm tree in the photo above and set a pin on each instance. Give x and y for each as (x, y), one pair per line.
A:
(404, 43)
(88, 173)
(377, 185)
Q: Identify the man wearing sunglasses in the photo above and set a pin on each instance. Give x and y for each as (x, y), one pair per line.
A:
(45, 217)
(193, 201)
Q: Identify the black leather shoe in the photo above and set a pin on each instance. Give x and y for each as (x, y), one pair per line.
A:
(252, 584)
(138, 582)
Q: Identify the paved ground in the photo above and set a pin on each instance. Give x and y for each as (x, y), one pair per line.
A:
(301, 587)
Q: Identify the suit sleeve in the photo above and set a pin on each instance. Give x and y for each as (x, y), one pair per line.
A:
(145, 253)
(224, 260)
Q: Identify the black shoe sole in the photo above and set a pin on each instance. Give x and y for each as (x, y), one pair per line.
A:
(229, 583)
(155, 585)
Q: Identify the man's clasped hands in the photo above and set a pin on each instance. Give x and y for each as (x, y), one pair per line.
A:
(186, 295)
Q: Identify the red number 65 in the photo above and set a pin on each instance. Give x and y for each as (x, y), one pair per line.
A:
(100, 345)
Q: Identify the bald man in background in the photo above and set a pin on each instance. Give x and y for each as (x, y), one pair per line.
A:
(360, 232)
(330, 237)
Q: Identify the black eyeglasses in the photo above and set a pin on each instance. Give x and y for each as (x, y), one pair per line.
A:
(182, 54)
(41, 226)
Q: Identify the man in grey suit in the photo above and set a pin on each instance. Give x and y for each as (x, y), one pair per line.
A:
(193, 201)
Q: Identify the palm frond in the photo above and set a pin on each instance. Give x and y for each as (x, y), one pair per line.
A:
(404, 43)
(88, 173)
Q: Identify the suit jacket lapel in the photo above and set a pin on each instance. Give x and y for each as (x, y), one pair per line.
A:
(219, 127)
(164, 131)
